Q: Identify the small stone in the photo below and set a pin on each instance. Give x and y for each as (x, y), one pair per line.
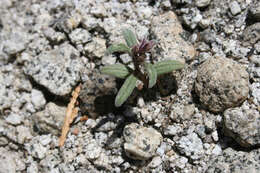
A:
(251, 34)
(67, 22)
(234, 8)
(242, 124)
(15, 43)
(14, 119)
(191, 145)
(80, 36)
(93, 150)
(255, 10)
(23, 134)
(157, 161)
(202, 3)
(98, 10)
(89, 22)
(172, 130)
(96, 48)
(219, 92)
(36, 149)
(144, 12)
(215, 136)
(141, 142)
(53, 36)
(108, 60)
(50, 120)
(38, 99)
(167, 31)
(45, 139)
(217, 150)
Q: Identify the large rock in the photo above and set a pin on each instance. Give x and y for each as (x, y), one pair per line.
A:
(221, 83)
(243, 125)
(58, 70)
(141, 142)
(168, 31)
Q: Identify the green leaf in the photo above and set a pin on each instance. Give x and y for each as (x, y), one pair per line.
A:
(126, 90)
(129, 37)
(152, 74)
(118, 48)
(167, 66)
(117, 70)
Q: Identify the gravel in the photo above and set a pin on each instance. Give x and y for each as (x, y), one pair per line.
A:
(203, 118)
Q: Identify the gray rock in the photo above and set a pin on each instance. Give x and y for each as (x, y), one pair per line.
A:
(58, 70)
(97, 94)
(50, 120)
(14, 119)
(243, 125)
(141, 142)
(235, 161)
(202, 3)
(15, 43)
(172, 130)
(234, 7)
(255, 91)
(10, 161)
(167, 30)
(251, 34)
(67, 22)
(88, 22)
(93, 150)
(80, 36)
(23, 134)
(255, 10)
(38, 99)
(36, 149)
(191, 145)
(192, 18)
(96, 48)
(221, 83)
(53, 36)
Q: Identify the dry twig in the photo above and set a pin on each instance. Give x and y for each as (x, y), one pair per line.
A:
(71, 114)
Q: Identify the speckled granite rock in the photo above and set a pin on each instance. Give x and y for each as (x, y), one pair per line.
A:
(141, 142)
(58, 70)
(50, 120)
(243, 125)
(168, 31)
(221, 83)
(235, 161)
(251, 34)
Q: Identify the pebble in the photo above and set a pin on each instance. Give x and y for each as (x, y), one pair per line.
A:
(58, 70)
(14, 119)
(50, 120)
(141, 143)
(219, 92)
(255, 10)
(242, 124)
(191, 146)
(167, 30)
(202, 3)
(38, 99)
(234, 7)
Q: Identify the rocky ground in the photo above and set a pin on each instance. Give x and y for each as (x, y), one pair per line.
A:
(203, 118)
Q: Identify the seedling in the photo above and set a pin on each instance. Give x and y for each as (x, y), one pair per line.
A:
(145, 71)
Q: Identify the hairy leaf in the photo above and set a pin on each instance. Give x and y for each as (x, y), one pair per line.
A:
(126, 90)
(118, 48)
(117, 70)
(167, 66)
(129, 37)
(152, 74)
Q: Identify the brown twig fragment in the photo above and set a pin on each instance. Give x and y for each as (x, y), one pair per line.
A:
(71, 114)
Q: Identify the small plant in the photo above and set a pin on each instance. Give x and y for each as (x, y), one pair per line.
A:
(145, 71)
